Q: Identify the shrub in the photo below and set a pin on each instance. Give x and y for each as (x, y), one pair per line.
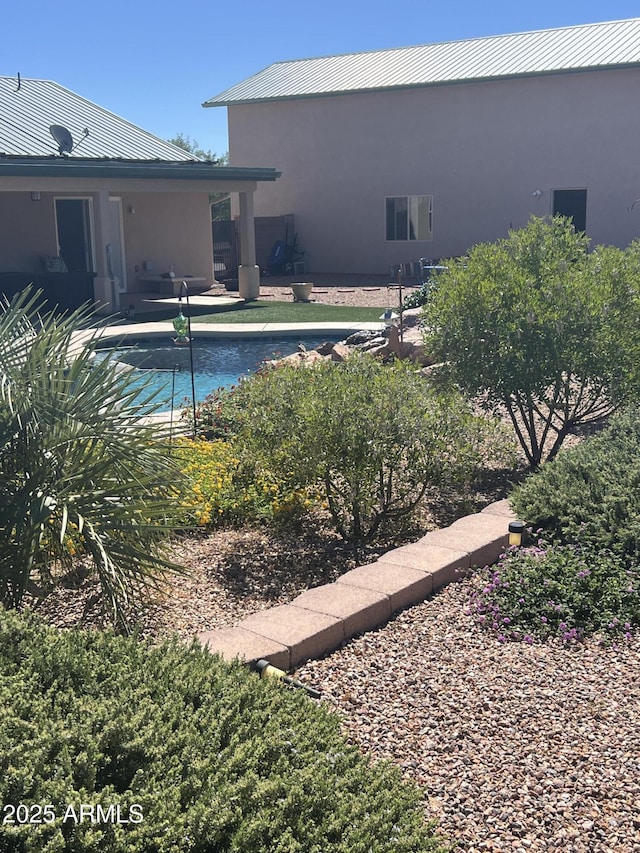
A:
(590, 493)
(219, 491)
(209, 467)
(374, 438)
(216, 415)
(560, 591)
(420, 296)
(80, 472)
(199, 755)
(537, 326)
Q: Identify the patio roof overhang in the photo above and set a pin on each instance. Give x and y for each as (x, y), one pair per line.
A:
(76, 167)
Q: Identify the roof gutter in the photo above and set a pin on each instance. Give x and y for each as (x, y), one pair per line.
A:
(62, 167)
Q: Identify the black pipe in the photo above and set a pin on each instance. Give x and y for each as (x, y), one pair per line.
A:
(176, 369)
(193, 382)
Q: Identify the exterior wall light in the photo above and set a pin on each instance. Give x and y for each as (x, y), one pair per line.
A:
(36, 196)
(516, 533)
(537, 193)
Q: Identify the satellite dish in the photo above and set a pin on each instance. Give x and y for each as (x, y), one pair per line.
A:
(63, 137)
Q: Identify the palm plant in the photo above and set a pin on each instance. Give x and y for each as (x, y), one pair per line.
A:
(82, 474)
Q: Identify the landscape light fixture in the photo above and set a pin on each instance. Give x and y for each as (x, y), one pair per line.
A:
(516, 533)
(389, 318)
(265, 669)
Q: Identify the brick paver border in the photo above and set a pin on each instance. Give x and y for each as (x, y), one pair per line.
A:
(321, 619)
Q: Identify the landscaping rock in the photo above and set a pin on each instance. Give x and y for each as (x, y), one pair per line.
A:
(340, 352)
(360, 337)
(325, 348)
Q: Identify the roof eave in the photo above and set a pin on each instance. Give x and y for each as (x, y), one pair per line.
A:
(14, 166)
(425, 85)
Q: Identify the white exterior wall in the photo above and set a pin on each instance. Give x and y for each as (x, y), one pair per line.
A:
(480, 149)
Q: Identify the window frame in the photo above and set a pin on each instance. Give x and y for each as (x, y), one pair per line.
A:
(413, 218)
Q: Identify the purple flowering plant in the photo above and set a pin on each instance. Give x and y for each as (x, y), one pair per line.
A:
(557, 591)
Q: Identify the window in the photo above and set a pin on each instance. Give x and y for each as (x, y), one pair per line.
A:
(409, 217)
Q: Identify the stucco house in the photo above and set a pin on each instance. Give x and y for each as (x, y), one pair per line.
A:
(392, 155)
(94, 208)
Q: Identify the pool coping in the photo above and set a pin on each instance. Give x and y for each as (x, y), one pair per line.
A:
(324, 618)
(160, 328)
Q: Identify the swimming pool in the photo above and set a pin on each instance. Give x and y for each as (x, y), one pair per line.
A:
(216, 363)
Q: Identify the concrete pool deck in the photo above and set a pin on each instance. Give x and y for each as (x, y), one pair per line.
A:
(160, 328)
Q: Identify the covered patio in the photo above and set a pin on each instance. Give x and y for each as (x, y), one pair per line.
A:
(114, 213)
(107, 229)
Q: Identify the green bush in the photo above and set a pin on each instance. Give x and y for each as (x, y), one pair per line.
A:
(374, 438)
(218, 493)
(560, 591)
(537, 326)
(216, 415)
(583, 576)
(196, 754)
(590, 493)
(420, 296)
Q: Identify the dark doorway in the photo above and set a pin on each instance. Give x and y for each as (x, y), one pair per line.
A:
(573, 204)
(74, 233)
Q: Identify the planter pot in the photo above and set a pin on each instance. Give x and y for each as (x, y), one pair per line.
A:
(302, 291)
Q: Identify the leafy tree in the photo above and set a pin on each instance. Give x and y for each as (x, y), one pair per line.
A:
(81, 474)
(193, 147)
(540, 327)
(220, 202)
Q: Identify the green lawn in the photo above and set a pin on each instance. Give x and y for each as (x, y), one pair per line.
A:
(263, 311)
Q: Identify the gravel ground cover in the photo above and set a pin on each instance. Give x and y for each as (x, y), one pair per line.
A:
(516, 747)
(355, 290)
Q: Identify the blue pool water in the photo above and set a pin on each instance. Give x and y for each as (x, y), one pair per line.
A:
(216, 363)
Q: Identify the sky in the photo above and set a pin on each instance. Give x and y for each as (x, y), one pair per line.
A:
(154, 63)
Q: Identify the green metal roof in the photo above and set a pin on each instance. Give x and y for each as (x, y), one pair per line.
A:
(105, 144)
(29, 107)
(590, 46)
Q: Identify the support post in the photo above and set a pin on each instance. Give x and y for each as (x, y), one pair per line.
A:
(104, 287)
(248, 271)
